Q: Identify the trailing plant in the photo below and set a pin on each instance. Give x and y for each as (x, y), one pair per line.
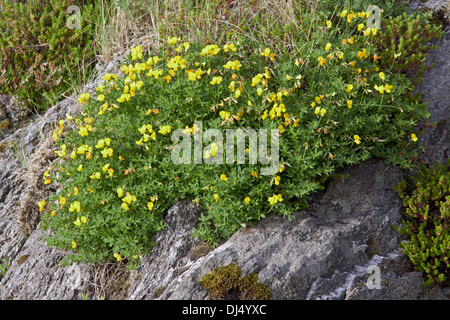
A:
(427, 221)
(330, 105)
(41, 58)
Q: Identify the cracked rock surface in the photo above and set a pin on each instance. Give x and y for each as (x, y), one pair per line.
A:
(329, 251)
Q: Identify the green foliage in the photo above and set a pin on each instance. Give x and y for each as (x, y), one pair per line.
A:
(4, 266)
(405, 39)
(40, 57)
(331, 104)
(226, 281)
(427, 222)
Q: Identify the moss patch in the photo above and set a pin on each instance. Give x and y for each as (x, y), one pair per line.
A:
(22, 259)
(226, 283)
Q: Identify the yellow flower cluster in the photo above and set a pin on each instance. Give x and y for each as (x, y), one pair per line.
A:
(136, 52)
(144, 129)
(194, 75)
(79, 221)
(84, 98)
(165, 129)
(192, 130)
(233, 65)
(275, 199)
(266, 53)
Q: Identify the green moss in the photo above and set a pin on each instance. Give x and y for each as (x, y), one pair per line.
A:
(22, 259)
(373, 247)
(4, 124)
(11, 145)
(226, 283)
(158, 292)
(200, 250)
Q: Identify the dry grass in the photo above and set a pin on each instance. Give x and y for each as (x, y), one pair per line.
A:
(279, 24)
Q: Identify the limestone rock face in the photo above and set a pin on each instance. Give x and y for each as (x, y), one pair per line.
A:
(334, 250)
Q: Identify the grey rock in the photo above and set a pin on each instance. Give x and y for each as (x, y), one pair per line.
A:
(436, 93)
(440, 7)
(322, 254)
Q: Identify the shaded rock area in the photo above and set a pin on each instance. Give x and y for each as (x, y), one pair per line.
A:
(333, 250)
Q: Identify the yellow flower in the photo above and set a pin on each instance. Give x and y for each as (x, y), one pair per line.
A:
(413, 137)
(74, 244)
(349, 104)
(120, 192)
(125, 206)
(254, 174)
(77, 222)
(379, 88)
(41, 205)
(329, 24)
(259, 91)
(343, 13)
(277, 180)
(62, 200)
(84, 98)
(233, 65)
(322, 61)
(328, 46)
(105, 167)
(150, 206)
(357, 139)
(75, 191)
(382, 75)
(83, 131)
(237, 94)
(210, 50)
(216, 197)
(227, 47)
(101, 97)
(281, 168)
(318, 100)
(214, 149)
(388, 88)
(274, 199)
(83, 219)
(349, 88)
(216, 80)
(75, 207)
(107, 152)
(266, 52)
(360, 26)
(136, 52)
(223, 177)
(247, 200)
(117, 256)
(165, 129)
(95, 175)
(129, 198)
